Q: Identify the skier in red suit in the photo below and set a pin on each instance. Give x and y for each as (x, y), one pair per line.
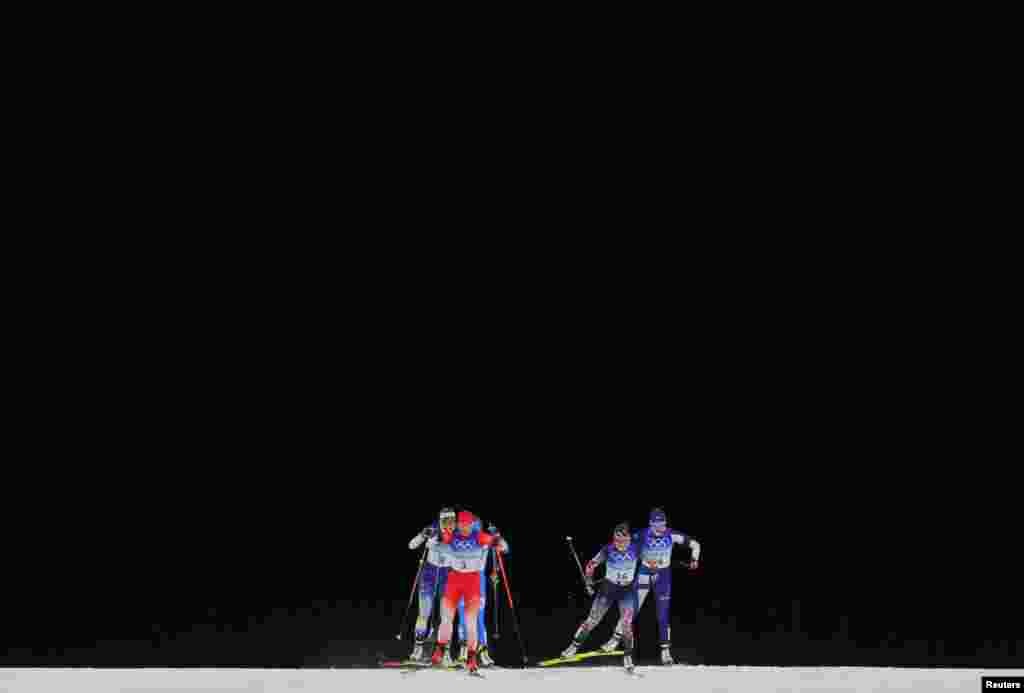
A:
(468, 553)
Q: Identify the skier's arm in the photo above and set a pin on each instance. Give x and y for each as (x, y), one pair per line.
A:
(495, 540)
(594, 562)
(425, 533)
(494, 532)
(680, 538)
(444, 538)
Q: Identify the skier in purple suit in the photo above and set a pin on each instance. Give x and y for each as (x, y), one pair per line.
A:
(620, 558)
(656, 544)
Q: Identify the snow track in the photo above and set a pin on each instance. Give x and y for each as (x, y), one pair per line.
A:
(685, 679)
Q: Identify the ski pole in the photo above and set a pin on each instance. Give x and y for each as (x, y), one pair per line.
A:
(635, 625)
(515, 618)
(497, 595)
(572, 550)
(405, 616)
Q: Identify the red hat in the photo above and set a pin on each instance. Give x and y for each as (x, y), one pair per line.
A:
(466, 518)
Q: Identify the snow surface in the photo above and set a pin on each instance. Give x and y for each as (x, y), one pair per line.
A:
(691, 679)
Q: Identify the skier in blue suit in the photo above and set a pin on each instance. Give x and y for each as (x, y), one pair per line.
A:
(656, 544)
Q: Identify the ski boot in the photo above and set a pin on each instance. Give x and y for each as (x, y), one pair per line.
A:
(627, 662)
(471, 663)
(417, 652)
(442, 657)
(485, 657)
(666, 655)
(570, 651)
(463, 651)
(612, 644)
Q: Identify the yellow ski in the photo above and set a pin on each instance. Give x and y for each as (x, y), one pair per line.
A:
(577, 658)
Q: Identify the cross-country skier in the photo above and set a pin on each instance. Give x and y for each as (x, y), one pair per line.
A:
(434, 576)
(620, 558)
(468, 551)
(483, 655)
(656, 574)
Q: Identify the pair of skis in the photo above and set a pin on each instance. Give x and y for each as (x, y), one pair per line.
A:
(415, 664)
(579, 657)
(587, 655)
(408, 666)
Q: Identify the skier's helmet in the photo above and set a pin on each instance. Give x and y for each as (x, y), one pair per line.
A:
(465, 521)
(621, 535)
(658, 520)
(446, 518)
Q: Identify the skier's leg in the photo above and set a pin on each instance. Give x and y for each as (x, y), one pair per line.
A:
(428, 585)
(442, 584)
(452, 594)
(643, 587)
(462, 622)
(472, 613)
(627, 607)
(663, 594)
(597, 612)
(472, 609)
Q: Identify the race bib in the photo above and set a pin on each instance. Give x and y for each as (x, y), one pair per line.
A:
(622, 577)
